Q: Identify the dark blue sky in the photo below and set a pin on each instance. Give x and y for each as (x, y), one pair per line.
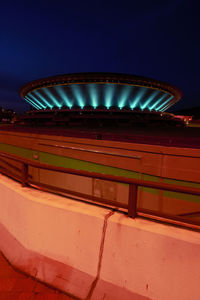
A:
(158, 39)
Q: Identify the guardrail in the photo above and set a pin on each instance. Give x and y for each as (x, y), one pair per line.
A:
(131, 208)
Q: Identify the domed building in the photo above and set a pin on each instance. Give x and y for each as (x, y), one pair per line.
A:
(99, 95)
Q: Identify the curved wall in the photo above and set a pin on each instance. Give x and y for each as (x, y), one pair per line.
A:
(95, 253)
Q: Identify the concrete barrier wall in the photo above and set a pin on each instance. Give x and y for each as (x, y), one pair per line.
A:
(150, 259)
(95, 253)
(53, 238)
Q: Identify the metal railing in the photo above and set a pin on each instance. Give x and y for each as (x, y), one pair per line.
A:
(26, 179)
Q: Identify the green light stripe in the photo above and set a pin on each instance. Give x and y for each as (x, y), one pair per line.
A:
(22, 152)
(150, 178)
(62, 161)
(181, 196)
(181, 182)
(79, 164)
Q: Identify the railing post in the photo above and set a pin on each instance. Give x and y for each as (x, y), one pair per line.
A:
(132, 201)
(24, 175)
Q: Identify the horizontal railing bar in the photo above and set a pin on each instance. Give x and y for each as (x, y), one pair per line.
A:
(176, 220)
(119, 179)
(5, 162)
(10, 174)
(165, 215)
(78, 194)
(190, 213)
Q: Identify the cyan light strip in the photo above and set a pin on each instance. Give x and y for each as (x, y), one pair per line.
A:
(78, 95)
(93, 94)
(109, 94)
(35, 100)
(138, 97)
(164, 103)
(50, 95)
(124, 96)
(97, 94)
(32, 103)
(63, 95)
(43, 99)
(153, 96)
(154, 106)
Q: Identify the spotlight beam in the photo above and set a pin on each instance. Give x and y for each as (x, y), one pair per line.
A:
(62, 93)
(126, 91)
(138, 97)
(167, 106)
(78, 95)
(36, 100)
(51, 97)
(150, 99)
(93, 92)
(109, 94)
(36, 92)
(164, 103)
(32, 103)
(154, 106)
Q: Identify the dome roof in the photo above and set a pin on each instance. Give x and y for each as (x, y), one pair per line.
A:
(100, 90)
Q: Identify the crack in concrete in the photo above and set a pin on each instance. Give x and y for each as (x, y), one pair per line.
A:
(94, 283)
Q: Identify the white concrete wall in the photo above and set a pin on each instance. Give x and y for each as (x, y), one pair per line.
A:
(94, 253)
(66, 235)
(157, 261)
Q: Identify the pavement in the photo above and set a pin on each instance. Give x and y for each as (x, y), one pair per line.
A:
(17, 286)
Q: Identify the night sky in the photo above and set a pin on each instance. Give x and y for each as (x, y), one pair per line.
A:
(158, 39)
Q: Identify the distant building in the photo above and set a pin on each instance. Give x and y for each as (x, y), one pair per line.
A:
(104, 98)
(6, 115)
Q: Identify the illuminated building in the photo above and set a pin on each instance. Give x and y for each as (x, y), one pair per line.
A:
(100, 90)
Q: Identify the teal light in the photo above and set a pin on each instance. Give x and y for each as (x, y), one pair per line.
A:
(62, 93)
(98, 94)
(125, 94)
(109, 94)
(49, 94)
(154, 106)
(78, 95)
(138, 97)
(38, 94)
(167, 105)
(36, 100)
(93, 94)
(150, 99)
(164, 103)
(32, 103)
